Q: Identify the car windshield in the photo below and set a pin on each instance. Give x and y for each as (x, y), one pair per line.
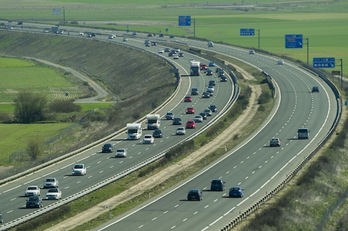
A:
(52, 190)
(50, 180)
(31, 188)
(235, 189)
(120, 150)
(33, 198)
(78, 166)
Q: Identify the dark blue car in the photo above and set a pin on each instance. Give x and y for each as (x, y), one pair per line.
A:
(236, 191)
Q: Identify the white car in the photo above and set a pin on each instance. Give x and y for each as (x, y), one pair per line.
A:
(32, 190)
(125, 39)
(280, 62)
(121, 152)
(51, 183)
(198, 119)
(53, 194)
(148, 139)
(175, 56)
(251, 52)
(112, 36)
(180, 131)
(274, 142)
(79, 170)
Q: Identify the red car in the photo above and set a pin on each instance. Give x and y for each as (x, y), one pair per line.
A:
(203, 66)
(190, 110)
(188, 99)
(191, 124)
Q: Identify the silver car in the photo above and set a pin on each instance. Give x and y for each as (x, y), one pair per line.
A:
(51, 183)
(121, 152)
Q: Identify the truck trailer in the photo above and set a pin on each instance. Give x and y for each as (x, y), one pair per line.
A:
(194, 68)
(153, 121)
(134, 131)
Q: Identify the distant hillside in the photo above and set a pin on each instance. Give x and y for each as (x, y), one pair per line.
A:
(126, 72)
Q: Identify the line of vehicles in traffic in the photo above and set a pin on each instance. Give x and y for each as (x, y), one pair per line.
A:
(216, 185)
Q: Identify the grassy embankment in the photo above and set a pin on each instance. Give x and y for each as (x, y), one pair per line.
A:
(123, 79)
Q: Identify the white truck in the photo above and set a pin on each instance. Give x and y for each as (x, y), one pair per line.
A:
(195, 68)
(153, 121)
(134, 131)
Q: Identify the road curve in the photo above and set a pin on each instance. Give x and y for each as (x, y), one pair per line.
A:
(254, 165)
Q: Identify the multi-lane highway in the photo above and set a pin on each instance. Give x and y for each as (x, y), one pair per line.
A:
(253, 165)
(101, 166)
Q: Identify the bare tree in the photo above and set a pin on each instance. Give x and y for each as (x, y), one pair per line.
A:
(30, 107)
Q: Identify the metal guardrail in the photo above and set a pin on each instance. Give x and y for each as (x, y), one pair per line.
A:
(105, 182)
(289, 176)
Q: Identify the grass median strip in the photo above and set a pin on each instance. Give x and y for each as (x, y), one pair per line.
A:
(136, 194)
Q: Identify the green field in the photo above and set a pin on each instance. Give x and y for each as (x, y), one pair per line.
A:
(14, 137)
(18, 75)
(323, 23)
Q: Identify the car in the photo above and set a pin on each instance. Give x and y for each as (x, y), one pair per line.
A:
(206, 95)
(190, 124)
(190, 110)
(198, 119)
(148, 139)
(79, 170)
(211, 90)
(157, 133)
(167, 49)
(212, 83)
(188, 99)
(181, 54)
(149, 35)
(280, 62)
(219, 70)
(107, 148)
(203, 66)
(251, 52)
(134, 33)
(194, 91)
(274, 142)
(195, 195)
(154, 43)
(208, 112)
(121, 152)
(161, 51)
(315, 89)
(112, 36)
(1, 218)
(54, 194)
(81, 33)
(34, 202)
(211, 64)
(209, 72)
(175, 56)
(217, 185)
(177, 121)
(51, 183)
(172, 36)
(210, 44)
(169, 116)
(212, 107)
(32, 190)
(181, 131)
(223, 79)
(125, 39)
(204, 115)
(236, 191)
(161, 35)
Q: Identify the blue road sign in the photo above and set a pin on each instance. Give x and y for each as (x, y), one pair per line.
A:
(184, 20)
(247, 32)
(293, 41)
(324, 62)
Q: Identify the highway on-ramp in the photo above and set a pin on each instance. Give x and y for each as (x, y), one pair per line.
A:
(253, 165)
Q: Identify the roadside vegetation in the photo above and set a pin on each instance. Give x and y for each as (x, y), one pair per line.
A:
(317, 200)
(172, 157)
(71, 126)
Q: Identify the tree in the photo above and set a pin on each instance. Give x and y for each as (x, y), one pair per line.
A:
(30, 107)
(34, 148)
